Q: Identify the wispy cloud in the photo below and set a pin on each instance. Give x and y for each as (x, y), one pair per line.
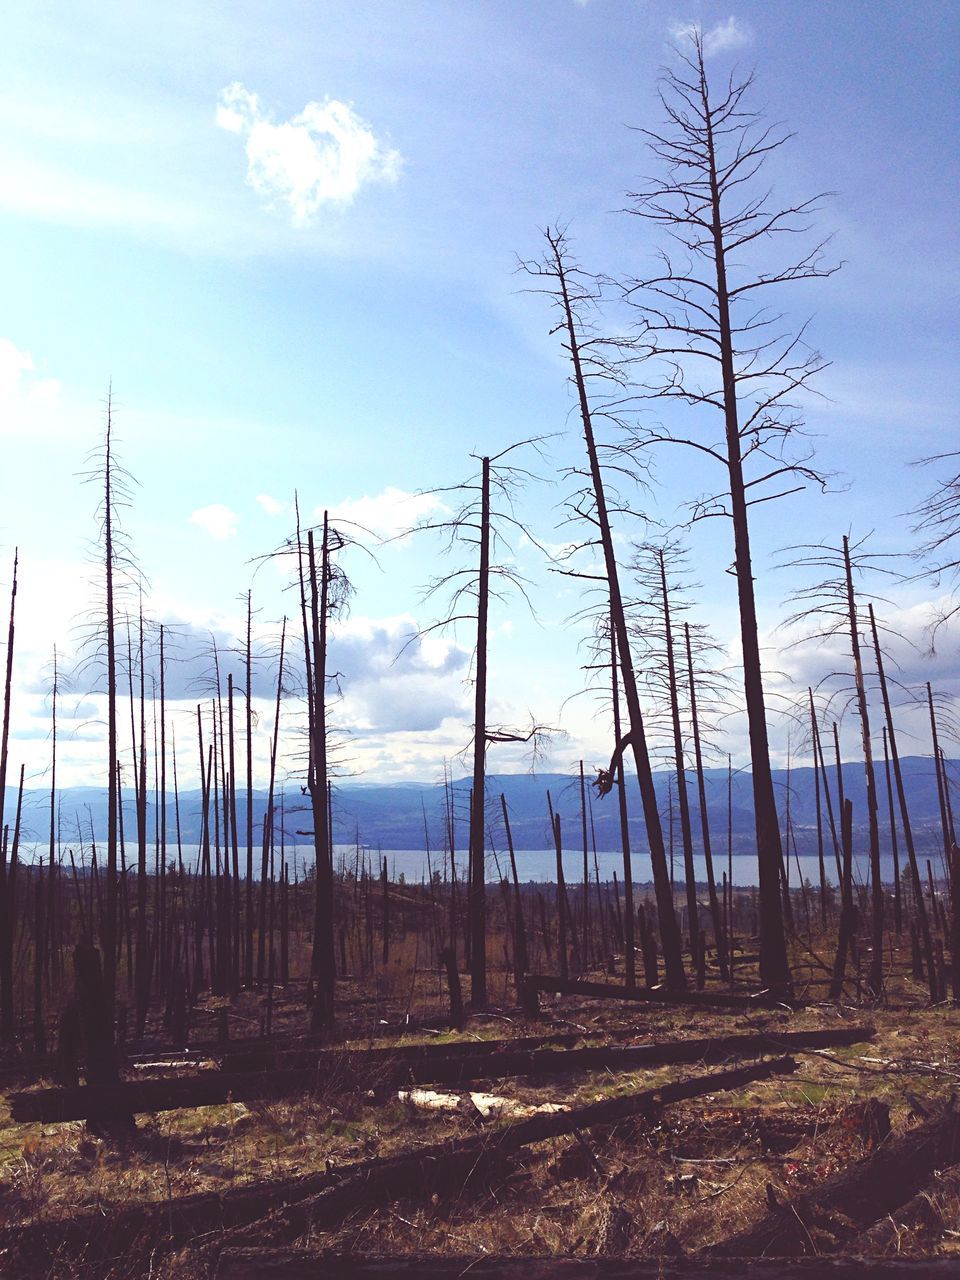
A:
(29, 402)
(216, 520)
(321, 156)
(272, 506)
(719, 39)
(389, 513)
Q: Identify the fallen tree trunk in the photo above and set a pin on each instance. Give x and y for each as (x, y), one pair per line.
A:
(696, 1131)
(305, 1264)
(654, 995)
(436, 1064)
(293, 1058)
(98, 1234)
(822, 1220)
(446, 1168)
(924, 1215)
(380, 1068)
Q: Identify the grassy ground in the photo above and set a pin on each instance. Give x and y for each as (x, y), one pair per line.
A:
(702, 1172)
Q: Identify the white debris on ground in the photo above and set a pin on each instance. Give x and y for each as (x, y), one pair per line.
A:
(488, 1105)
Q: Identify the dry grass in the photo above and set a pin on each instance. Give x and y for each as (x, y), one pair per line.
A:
(696, 1177)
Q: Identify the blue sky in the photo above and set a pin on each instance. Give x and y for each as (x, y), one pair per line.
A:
(281, 307)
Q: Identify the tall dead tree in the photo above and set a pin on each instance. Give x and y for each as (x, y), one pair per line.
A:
(832, 605)
(115, 485)
(573, 292)
(715, 911)
(665, 594)
(937, 524)
(703, 320)
(919, 906)
(485, 514)
(322, 603)
(6, 914)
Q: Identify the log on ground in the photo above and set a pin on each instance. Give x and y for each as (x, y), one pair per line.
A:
(448, 1167)
(303, 1264)
(822, 1220)
(359, 1069)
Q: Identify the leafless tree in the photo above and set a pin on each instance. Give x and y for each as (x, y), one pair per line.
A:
(937, 524)
(575, 294)
(713, 342)
(829, 608)
(483, 519)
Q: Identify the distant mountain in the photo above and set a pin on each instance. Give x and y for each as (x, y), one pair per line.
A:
(396, 815)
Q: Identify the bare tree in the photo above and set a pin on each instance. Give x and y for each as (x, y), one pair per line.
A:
(664, 596)
(937, 524)
(721, 348)
(833, 603)
(574, 292)
(486, 514)
(6, 914)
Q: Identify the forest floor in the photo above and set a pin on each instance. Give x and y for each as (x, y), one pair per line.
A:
(672, 1185)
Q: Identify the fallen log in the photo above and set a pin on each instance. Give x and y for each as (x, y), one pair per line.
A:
(822, 1220)
(446, 1168)
(381, 1069)
(429, 1050)
(306, 1264)
(926, 1214)
(777, 1127)
(452, 1063)
(654, 995)
(101, 1233)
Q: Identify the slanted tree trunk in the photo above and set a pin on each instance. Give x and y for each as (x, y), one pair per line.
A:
(683, 800)
(949, 853)
(876, 879)
(819, 811)
(848, 912)
(669, 932)
(894, 846)
(715, 912)
(629, 942)
(919, 906)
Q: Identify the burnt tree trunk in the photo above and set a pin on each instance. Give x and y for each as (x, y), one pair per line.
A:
(477, 890)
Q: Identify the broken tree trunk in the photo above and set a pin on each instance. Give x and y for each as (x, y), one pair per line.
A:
(861, 1194)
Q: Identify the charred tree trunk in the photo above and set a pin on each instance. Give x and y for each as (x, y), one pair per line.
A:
(322, 966)
(629, 941)
(6, 912)
(476, 897)
(669, 931)
(918, 903)
(876, 879)
(683, 799)
(715, 912)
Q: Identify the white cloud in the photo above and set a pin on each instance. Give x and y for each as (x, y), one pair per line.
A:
(27, 400)
(389, 513)
(216, 520)
(271, 505)
(719, 39)
(322, 156)
(395, 681)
